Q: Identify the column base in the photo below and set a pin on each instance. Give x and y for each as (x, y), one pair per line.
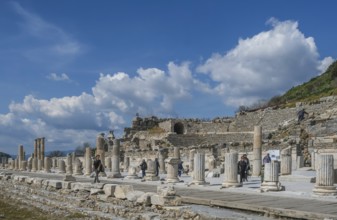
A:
(151, 178)
(271, 187)
(325, 190)
(172, 180)
(228, 185)
(199, 183)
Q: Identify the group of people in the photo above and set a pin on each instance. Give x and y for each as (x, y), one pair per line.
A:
(243, 168)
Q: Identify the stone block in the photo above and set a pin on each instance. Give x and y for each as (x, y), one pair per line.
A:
(66, 185)
(145, 198)
(109, 189)
(94, 191)
(77, 186)
(29, 180)
(166, 190)
(165, 200)
(55, 184)
(122, 190)
(134, 195)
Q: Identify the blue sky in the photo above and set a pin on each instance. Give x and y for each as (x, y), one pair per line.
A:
(72, 69)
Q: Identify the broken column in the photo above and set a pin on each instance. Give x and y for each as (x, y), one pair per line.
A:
(69, 168)
(20, 157)
(78, 167)
(257, 151)
(286, 165)
(199, 171)
(172, 170)
(191, 161)
(231, 170)
(325, 176)
(271, 177)
(161, 159)
(176, 152)
(115, 171)
(47, 164)
(151, 171)
(88, 161)
(62, 166)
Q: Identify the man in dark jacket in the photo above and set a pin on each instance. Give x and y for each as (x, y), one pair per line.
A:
(143, 167)
(157, 166)
(98, 167)
(242, 168)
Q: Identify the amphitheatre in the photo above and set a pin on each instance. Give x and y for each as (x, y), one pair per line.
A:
(299, 182)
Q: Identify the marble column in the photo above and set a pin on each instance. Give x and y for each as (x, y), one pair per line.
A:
(62, 166)
(23, 166)
(115, 171)
(69, 168)
(313, 160)
(30, 164)
(286, 165)
(34, 164)
(199, 171)
(42, 148)
(325, 176)
(47, 164)
(54, 163)
(35, 148)
(271, 177)
(38, 155)
(88, 161)
(39, 165)
(151, 171)
(231, 171)
(191, 161)
(172, 170)
(257, 146)
(161, 158)
(126, 163)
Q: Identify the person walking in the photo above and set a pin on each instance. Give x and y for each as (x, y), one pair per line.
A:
(180, 168)
(266, 159)
(156, 162)
(98, 167)
(247, 167)
(242, 168)
(143, 167)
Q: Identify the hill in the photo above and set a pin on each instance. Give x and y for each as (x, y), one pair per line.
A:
(320, 86)
(4, 155)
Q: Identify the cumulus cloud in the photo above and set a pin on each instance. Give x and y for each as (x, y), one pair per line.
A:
(264, 65)
(61, 77)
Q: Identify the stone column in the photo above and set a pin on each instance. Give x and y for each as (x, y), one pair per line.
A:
(191, 161)
(34, 164)
(151, 171)
(20, 156)
(38, 155)
(286, 165)
(35, 148)
(172, 170)
(54, 163)
(313, 160)
(62, 166)
(115, 171)
(108, 164)
(161, 158)
(126, 163)
(47, 164)
(23, 165)
(39, 164)
(271, 180)
(88, 161)
(300, 162)
(231, 171)
(100, 142)
(257, 151)
(42, 148)
(199, 171)
(30, 164)
(69, 165)
(325, 176)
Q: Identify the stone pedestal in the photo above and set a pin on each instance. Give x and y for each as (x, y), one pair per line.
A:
(257, 151)
(286, 164)
(325, 176)
(47, 164)
(115, 171)
(132, 173)
(151, 171)
(62, 166)
(271, 177)
(172, 170)
(199, 171)
(231, 171)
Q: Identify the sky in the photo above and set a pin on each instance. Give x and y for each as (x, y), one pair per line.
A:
(70, 70)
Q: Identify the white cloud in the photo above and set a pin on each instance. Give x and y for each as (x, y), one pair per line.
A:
(61, 77)
(264, 65)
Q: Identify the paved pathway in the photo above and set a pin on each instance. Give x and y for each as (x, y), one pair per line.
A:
(273, 205)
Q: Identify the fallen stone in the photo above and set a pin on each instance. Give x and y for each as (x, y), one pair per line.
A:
(165, 201)
(166, 190)
(122, 190)
(109, 189)
(145, 198)
(94, 191)
(134, 195)
(55, 184)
